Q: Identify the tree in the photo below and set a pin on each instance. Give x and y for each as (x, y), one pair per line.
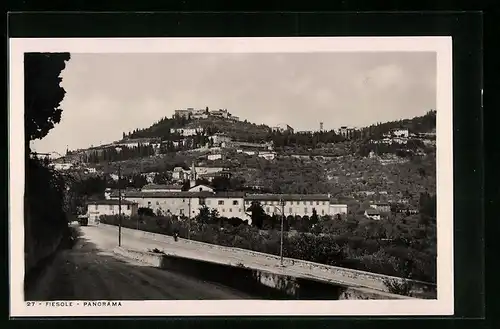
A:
(42, 93)
(314, 217)
(204, 215)
(258, 214)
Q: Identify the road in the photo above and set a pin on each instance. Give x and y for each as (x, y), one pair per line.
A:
(90, 271)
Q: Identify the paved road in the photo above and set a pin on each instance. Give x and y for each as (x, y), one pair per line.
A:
(90, 271)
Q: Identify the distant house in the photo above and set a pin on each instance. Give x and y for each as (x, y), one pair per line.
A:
(201, 188)
(180, 173)
(218, 139)
(372, 214)
(161, 188)
(187, 131)
(337, 209)
(214, 157)
(400, 132)
(267, 155)
(95, 209)
(382, 207)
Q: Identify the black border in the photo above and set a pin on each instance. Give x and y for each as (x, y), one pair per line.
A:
(466, 29)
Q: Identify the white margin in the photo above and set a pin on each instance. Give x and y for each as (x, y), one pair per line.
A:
(443, 305)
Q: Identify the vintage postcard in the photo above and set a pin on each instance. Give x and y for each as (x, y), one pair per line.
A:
(231, 176)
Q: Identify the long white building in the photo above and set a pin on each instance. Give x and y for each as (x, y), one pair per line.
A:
(294, 204)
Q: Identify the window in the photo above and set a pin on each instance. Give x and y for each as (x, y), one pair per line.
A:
(323, 212)
(157, 203)
(201, 189)
(324, 203)
(235, 202)
(305, 210)
(312, 203)
(183, 200)
(230, 209)
(305, 203)
(267, 209)
(149, 203)
(202, 201)
(298, 202)
(290, 210)
(220, 203)
(128, 207)
(223, 210)
(95, 207)
(181, 211)
(317, 203)
(110, 207)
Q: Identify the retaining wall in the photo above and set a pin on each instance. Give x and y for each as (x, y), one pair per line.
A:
(366, 279)
(259, 283)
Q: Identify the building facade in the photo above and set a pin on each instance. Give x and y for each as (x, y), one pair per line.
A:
(294, 204)
(109, 207)
(186, 132)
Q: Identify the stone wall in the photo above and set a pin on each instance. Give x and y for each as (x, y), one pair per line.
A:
(366, 279)
(259, 283)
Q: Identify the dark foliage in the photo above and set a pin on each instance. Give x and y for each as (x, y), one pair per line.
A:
(42, 92)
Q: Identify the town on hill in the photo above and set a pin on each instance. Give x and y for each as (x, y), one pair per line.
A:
(351, 207)
(205, 166)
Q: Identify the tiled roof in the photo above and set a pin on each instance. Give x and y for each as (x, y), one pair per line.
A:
(288, 197)
(161, 187)
(183, 194)
(372, 211)
(110, 202)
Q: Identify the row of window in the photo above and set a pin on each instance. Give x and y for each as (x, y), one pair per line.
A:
(111, 206)
(290, 203)
(290, 210)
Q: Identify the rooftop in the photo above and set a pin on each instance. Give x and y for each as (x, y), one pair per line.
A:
(288, 197)
(161, 187)
(110, 202)
(182, 194)
(372, 211)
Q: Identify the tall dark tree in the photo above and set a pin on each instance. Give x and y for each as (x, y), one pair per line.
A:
(42, 92)
(258, 214)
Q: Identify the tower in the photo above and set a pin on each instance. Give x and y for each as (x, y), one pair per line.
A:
(192, 176)
(321, 126)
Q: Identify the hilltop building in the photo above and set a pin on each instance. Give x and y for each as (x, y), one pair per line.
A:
(283, 128)
(205, 113)
(346, 132)
(186, 132)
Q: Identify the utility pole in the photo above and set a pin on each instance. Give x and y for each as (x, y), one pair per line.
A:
(119, 209)
(189, 220)
(282, 202)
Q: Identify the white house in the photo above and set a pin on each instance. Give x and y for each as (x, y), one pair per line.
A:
(214, 157)
(95, 209)
(267, 155)
(400, 132)
(338, 209)
(187, 131)
(180, 173)
(372, 214)
(62, 166)
(218, 139)
(294, 204)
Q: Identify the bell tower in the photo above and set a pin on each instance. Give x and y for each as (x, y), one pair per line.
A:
(192, 176)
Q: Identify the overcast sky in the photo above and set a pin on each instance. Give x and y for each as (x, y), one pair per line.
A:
(107, 94)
